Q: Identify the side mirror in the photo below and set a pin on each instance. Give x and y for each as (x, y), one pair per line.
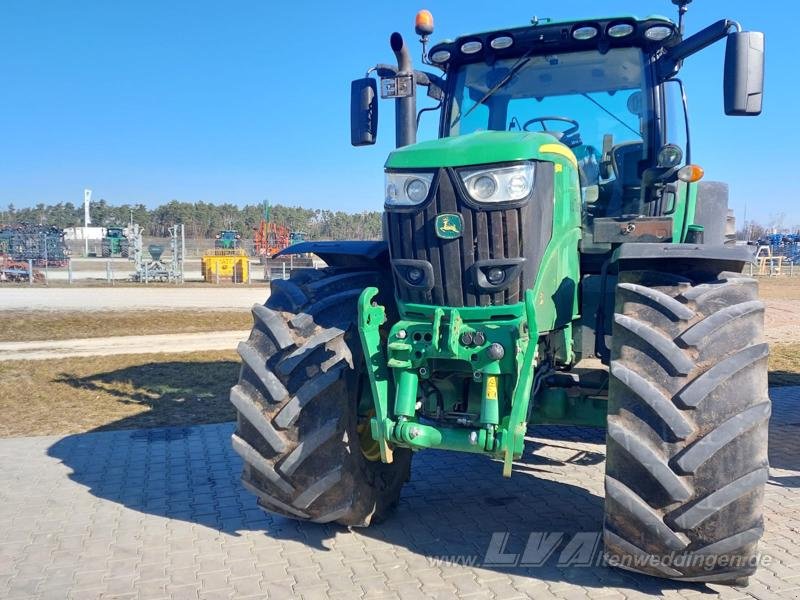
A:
(363, 111)
(744, 73)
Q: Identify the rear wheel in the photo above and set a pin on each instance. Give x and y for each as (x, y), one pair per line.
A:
(303, 405)
(687, 426)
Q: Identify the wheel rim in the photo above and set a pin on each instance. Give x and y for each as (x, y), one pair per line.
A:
(369, 447)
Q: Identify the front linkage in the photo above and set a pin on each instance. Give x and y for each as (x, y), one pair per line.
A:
(492, 345)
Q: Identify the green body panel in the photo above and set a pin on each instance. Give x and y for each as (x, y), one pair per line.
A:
(481, 147)
(556, 287)
(684, 210)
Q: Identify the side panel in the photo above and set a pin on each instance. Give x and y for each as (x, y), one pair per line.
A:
(556, 287)
(711, 210)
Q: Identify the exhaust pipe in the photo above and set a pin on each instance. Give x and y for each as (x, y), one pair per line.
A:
(405, 108)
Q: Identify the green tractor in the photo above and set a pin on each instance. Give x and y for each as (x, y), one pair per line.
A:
(115, 243)
(227, 239)
(551, 258)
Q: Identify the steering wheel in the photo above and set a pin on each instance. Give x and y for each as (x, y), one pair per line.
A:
(568, 136)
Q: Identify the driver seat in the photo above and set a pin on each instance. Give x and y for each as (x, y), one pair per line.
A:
(626, 188)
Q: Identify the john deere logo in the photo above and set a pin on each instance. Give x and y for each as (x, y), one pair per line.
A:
(449, 226)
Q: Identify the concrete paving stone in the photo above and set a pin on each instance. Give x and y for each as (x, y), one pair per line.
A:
(183, 592)
(280, 590)
(320, 591)
(219, 594)
(85, 594)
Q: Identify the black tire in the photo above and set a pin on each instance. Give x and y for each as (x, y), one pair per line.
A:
(105, 250)
(297, 402)
(123, 249)
(687, 426)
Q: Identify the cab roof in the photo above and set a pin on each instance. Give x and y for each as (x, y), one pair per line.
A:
(543, 36)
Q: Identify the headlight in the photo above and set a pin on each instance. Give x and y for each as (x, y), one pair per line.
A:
(501, 184)
(407, 189)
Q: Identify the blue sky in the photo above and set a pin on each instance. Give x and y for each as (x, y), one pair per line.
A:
(239, 101)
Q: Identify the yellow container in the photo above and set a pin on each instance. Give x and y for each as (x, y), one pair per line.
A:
(218, 265)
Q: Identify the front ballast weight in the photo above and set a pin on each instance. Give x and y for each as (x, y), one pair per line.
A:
(490, 345)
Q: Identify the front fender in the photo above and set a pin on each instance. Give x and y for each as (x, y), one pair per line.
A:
(355, 253)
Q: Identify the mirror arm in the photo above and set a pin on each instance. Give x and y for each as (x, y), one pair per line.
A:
(669, 64)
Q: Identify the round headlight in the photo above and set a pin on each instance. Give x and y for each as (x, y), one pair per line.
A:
(620, 30)
(495, 275)
(504, 41)
(584, 33)
(440, 56)
(484, 187)
(517, 186)
(658, 33)
(471, 47)
(670, 156)
(414, 275)
(416, 190)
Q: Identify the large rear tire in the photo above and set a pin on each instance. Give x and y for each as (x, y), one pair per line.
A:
(687, 426)
(305, 443)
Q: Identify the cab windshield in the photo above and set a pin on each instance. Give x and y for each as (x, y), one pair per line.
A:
(578, 97)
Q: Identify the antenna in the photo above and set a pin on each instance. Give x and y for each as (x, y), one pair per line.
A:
(683, 6)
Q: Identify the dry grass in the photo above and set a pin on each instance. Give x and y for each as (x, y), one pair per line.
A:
(779, 288)
(784, 364)
(116, 392)
(23, 326)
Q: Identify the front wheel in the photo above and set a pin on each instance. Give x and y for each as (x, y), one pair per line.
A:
(302, 401)
(687, 426)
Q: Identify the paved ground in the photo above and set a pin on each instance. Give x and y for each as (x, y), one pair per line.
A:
(127, 298)
(159, 513)
(127, 344)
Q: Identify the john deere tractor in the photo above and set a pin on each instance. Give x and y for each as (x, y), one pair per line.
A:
(115, 243)
(552, 258)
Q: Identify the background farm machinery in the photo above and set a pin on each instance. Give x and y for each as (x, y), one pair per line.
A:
(42, 244)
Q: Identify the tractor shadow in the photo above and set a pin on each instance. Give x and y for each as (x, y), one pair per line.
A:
(174, 393)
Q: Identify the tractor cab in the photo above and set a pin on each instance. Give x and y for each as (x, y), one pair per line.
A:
(227, 239)
(605, 90)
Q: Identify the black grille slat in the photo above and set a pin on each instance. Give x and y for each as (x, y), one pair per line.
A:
(466, 244)
(497, 245)
(513, 241)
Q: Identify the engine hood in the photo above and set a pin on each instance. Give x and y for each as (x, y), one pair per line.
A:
(481, 147)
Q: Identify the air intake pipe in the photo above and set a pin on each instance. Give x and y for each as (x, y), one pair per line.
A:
(405, 108)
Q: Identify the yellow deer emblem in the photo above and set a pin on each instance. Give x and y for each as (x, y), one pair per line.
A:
(447, 226)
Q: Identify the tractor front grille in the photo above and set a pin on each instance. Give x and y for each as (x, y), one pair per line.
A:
(511, 237)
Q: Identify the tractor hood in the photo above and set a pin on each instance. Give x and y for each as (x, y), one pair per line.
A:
(481, 147)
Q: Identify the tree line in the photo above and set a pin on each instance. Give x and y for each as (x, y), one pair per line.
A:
(202, 219)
